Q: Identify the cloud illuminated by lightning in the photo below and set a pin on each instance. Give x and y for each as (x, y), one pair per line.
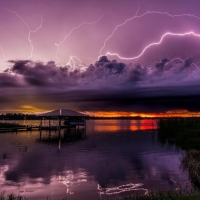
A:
(181, 61)
(28, 27)
(154, 44)
(74, 28)
(73, 64)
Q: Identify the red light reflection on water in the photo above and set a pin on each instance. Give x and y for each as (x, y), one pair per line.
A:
(147, 124)
(119, 125)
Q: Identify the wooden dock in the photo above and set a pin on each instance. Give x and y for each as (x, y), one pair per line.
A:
(72, 120)
(31, 128)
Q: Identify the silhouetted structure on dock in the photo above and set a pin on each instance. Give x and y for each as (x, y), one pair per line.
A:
(74, 122)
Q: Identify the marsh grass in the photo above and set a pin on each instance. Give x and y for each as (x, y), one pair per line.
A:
(157, 195)
(190, 161)
(165, 195)
(183, 132)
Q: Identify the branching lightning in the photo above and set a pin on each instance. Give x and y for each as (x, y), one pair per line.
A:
(154, 44)
(29, 29)
(72, 60)
(139, 16)
(73, 65)
(118, 27)
(74, 28)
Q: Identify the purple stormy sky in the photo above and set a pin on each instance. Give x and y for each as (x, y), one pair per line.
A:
(49, 52)
(85, 42)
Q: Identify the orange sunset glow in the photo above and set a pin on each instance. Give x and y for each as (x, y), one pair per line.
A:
(172, 113)
(175, 113)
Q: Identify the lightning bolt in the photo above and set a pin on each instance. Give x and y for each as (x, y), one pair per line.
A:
(73, 65)
(140, 16)
(76, 27)
(154, 44)
(118, 27)
(182, 62)
(72, 60)
(170, 15)
(28, 27)
(3, 54)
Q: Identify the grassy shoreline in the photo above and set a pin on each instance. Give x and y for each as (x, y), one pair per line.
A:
(184, 133)
(165, 195)
(157, 195)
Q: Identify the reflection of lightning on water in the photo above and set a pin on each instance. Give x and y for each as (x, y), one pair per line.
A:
(172, 180)
(121, 188)
(154, 44)
(28, 27)
(74, 28)
(70, 180)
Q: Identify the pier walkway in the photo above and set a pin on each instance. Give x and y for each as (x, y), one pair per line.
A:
(72, 119)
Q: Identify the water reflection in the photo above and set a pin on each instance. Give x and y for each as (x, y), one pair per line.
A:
(112, 162)
(60, 136)
(121, 125)
(121, 189)
(70, 179)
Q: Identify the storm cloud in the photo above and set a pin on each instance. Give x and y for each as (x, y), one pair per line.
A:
(103, 86)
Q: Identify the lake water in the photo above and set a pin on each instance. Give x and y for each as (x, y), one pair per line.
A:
(117, 158)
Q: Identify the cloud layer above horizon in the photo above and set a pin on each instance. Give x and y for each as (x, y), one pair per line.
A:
(104, 86)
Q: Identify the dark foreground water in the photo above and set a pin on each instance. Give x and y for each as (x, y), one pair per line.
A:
(117, 158)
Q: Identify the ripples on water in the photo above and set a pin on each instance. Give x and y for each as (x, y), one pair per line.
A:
(117, 158)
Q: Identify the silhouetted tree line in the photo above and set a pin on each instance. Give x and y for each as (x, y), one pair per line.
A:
(18, 116)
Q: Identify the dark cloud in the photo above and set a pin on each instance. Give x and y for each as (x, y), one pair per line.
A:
(105, 86)
(8, 80)
(161, 64)
(138, 100)
(137, 73)
(40, 74)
